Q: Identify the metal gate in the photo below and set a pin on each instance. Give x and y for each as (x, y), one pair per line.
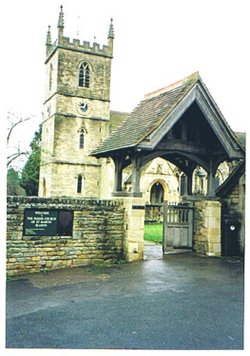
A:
(177, 226)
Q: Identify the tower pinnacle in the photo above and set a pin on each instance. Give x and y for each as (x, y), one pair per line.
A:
(111, 36)
(60, 25)
(61, 18)
(48, 41)
(111, 30)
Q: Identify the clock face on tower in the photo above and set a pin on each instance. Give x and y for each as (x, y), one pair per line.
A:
(83, 107)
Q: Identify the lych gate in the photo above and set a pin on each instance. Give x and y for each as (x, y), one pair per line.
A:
(182, 124)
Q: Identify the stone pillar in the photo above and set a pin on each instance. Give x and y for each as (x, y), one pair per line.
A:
(207, 227)
(133, 243)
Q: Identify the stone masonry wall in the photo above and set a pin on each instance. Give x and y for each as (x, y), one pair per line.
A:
(97, 235)
(207, 228)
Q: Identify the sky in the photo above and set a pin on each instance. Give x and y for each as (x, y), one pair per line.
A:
(157, 42)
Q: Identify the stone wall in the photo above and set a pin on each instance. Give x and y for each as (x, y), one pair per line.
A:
(134, 217)
(97, 235)
(207, 228)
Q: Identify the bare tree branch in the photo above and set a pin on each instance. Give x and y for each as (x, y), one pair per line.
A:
(15, 124)
(14, 156)
(15, 120)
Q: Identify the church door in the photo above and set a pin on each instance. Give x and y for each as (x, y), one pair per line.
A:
(157, 194)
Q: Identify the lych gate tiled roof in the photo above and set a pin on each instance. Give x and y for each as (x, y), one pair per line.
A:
(147, 116)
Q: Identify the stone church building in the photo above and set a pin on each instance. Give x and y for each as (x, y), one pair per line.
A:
(77, 119)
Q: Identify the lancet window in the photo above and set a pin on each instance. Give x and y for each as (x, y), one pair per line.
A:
(84, 75)
(81, 140)
(50, 76)
(79, 184)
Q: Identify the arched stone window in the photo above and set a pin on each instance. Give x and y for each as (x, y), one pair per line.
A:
(81, 140)
(50, 76)
(199, 177)
(81, 137)
(79, 184)
(84, 75)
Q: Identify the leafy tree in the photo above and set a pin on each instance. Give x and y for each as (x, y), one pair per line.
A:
(13, 183)
(30, 172)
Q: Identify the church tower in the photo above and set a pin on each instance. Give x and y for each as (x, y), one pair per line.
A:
(76, 114)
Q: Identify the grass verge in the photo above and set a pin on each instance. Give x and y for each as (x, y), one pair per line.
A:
(153, 232)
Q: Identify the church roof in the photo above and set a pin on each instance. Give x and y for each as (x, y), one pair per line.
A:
(116, 118)
(159, 111)
(147, 116)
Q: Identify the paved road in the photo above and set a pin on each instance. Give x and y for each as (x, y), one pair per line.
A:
(179, 302)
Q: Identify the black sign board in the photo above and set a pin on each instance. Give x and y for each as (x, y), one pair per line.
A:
(47, 222)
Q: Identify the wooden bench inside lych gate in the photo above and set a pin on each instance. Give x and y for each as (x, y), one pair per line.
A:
(177, 226)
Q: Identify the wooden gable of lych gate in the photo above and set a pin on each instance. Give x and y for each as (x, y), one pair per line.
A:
(180, 123)
(160, 111)
(147, 116)
(197, 120)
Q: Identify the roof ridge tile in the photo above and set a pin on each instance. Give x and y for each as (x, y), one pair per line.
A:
(191, 78)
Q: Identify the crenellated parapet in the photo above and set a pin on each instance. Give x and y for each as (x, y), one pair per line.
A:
(77, 45)
(86, 46)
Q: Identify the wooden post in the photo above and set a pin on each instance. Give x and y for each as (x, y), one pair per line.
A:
(136, 174)
(118, 175)
(211, 181)
(190, 184)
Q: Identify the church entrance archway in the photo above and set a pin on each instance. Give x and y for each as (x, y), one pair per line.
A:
(157, 193)
(153, 230)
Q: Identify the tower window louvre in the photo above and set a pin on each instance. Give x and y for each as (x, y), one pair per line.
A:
(84, 75)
